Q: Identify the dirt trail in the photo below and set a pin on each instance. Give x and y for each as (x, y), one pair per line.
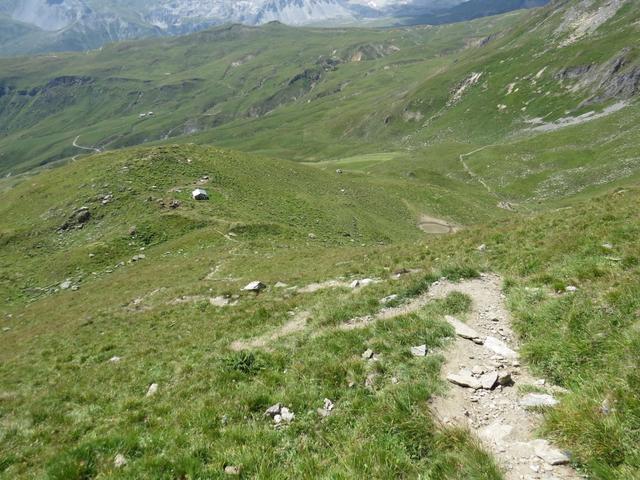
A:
(485, 344)
(496, 416)
(296, 324)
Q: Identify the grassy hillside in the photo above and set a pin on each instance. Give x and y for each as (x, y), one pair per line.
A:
(520, 132)
(79, 409)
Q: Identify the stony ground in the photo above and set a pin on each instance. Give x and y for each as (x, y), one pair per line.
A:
(483, 357)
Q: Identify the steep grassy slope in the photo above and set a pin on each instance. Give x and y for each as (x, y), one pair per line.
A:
(66, 410)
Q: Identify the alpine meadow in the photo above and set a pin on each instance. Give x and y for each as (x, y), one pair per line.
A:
(300, 239)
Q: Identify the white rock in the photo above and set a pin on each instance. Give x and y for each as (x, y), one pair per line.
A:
(489, 380)
(153, 389)
(462, 329)
(549, 454)
(119, 461)
(361, 283)
(419, 351)
(255, 286)
(499, 347)
(232, 470)
(200, 194)
(287, 415)
(220, 301)
(464, 380)
(281, 285)
(65, 285)
(532, 400)
(571, 289)
(482, 248)
(389, 299)
(115, 359)
(368, 354)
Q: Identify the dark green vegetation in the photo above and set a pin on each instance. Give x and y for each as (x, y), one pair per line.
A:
(554, 203)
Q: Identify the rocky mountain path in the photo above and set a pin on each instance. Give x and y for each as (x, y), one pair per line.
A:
(486, 394)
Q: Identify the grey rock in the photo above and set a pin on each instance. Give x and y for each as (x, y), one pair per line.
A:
(499, 347)
(273, 410)
(362, 283)
(153, 389)
(368, 354)
(200, 194)
(256, 286)
(532, 400)
(462, 329)
(419, 351)
(549, 454)
(464, 380)
(287, 415)
(65, 285)
(504, 379)
(489, 380)
(389, 299)
(120, 461)
(232, 470)
(495, 432)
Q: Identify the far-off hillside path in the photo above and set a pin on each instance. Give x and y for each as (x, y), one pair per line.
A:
(486, 393)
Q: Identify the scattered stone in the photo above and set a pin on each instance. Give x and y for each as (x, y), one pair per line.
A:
(77, 219)
(489, 380)
(120, 461)
(137, 258)
(482, 248)
(549, 454)
(280, 285)
(571, 289)
(419, 351)
(65, 285)
(462, 329)
(256, 286)
(499, 347)
(464, 380)
(339, 171)
(361, 283)
(232, 470)
(287, 415)
(504, 379)
(327, 408)
(389, 299)
(200, 194)
(532, 400)
(273, 410)
(115, 359)
(153, 389)
(368, 354)
(173, 204)
(607, 246)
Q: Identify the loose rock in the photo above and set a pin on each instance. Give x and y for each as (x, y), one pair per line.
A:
(464, 380)
(549, 454)
(232, 470)
(419, 351)
(532, 400)
(256, 286)
(499, 347)
(462, 329)
(153, 389)
(120, 461)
